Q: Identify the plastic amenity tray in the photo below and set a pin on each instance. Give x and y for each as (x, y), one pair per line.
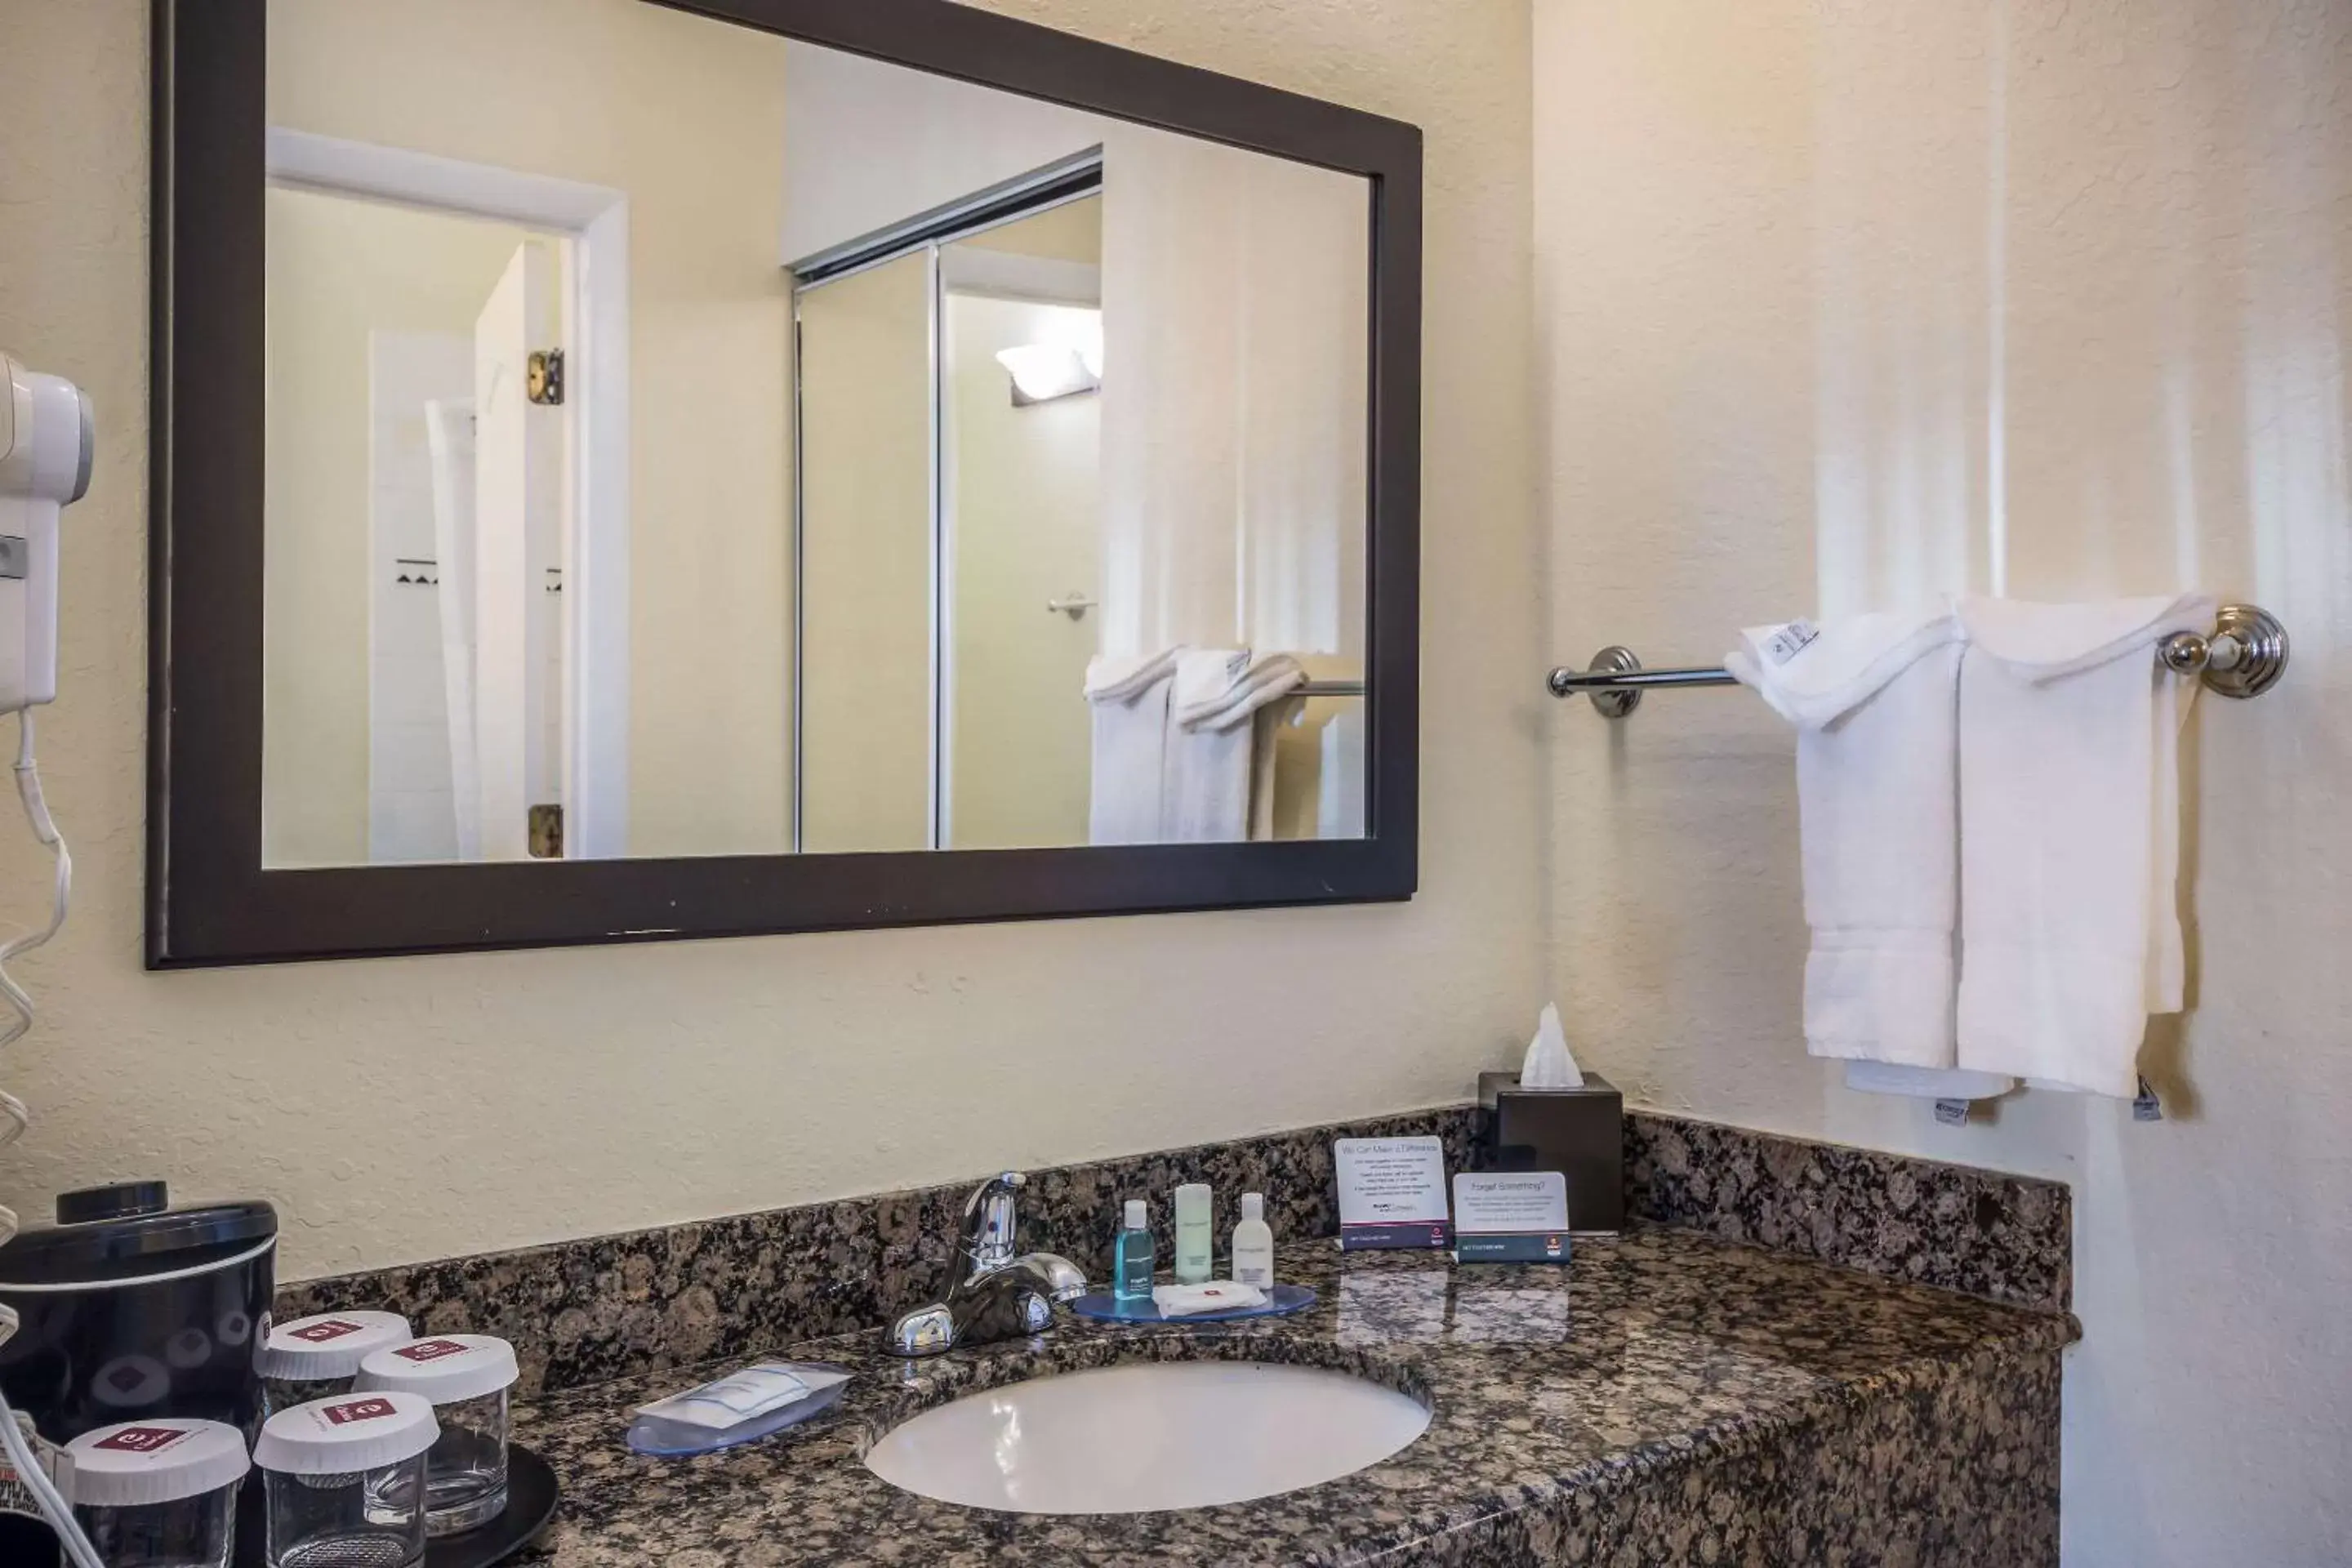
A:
(1281, 1300)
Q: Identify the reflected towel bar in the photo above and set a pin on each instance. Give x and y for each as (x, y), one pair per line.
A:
(2244, 657)
(1327, 689)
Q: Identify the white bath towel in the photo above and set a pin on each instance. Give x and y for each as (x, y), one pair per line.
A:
(2070, 836)
(1128, 700)
(1212, 741)
(1873, 699)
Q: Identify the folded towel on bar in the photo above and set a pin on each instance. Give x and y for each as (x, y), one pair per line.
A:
(2070, 843)
(1874, 701)
(1812, 673)
(1213, 739)
(1127, 699)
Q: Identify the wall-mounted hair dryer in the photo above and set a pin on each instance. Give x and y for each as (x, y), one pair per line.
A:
(46, 434)
(46, 439)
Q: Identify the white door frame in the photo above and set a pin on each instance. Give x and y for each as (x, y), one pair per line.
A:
(595, 222)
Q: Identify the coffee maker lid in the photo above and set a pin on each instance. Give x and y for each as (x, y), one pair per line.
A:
(128, 1232)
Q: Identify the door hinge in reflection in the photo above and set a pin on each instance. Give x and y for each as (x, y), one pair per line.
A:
(544, 381)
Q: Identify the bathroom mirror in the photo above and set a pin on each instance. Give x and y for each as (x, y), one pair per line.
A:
(628, 470)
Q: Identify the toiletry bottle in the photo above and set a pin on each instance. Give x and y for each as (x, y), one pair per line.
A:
(1132, 1262)
(1254, 1244)
(1193, 1235)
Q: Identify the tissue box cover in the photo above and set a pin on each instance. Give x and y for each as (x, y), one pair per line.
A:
(1580, 1132)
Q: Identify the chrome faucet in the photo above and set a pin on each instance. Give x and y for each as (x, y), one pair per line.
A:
(997, 1293)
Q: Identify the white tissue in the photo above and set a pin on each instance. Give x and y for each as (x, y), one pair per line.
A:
(1549, 1065)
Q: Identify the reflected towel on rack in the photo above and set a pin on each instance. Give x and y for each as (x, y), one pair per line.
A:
(1213, 738)
(1340, 783)
(2070, 836)
(1127, 700)
(1265, 725)
(1874, 699)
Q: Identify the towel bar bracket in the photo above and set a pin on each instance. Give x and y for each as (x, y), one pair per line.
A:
(1615, 702)
(2244, 657)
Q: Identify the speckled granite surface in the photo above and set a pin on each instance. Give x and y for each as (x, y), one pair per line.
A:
(1986, 1233)
(583, 1311)
(1667, 1399)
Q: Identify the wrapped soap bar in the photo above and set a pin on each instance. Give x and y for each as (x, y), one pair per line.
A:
(741, 1407)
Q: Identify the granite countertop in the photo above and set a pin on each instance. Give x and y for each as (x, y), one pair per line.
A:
(1649, 1350)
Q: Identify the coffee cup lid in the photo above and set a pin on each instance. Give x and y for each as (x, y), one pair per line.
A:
(351, 1432)
(444, 1369)
(330, 1344)
(164, 1460)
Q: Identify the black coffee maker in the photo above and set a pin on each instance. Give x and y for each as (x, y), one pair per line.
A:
(128, 1308)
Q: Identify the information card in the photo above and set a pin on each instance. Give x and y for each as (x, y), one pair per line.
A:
(1510, 1217)
(1391, 1193)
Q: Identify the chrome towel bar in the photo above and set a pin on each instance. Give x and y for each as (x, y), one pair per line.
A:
(2244, 657)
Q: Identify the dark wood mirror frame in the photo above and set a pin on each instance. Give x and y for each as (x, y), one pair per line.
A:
(209, 900)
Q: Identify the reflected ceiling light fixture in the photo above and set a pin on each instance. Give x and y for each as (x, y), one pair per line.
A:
(1043, 371)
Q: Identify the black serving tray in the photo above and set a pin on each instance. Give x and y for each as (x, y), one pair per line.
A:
(532, 1494)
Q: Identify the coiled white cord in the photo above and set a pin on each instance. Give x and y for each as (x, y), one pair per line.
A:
(15, 1118)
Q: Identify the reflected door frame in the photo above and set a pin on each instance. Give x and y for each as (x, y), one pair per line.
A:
(592, 222)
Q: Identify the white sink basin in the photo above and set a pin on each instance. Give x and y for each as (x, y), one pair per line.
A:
(1148, 1435)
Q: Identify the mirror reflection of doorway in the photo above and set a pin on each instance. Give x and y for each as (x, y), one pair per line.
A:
(949, 499)
(461, 634)
(446, 503)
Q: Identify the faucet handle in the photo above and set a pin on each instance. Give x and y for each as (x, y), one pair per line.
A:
(991, 1223)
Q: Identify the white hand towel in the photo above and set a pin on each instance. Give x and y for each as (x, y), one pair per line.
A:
(1128, 700)
(1877, 821)
(2070, 836)
(1212, 742)
(1812, 673)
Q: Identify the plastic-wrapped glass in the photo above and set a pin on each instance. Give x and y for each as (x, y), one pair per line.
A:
(345, 1479)
(466, 1473)
(466, 1377)
(316, 1358)
(357, 1518)
(187, 1533)
(159, 1493)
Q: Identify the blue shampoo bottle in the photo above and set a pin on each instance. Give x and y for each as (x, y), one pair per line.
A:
(1132, 1262)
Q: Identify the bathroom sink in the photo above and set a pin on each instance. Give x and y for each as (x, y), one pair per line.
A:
(1148, 1435)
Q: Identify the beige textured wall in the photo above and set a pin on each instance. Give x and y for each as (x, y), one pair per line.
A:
(1845, 302)
(402, 1108)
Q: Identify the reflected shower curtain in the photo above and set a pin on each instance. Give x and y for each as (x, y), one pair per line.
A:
(1236, 375)
(449, 436)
